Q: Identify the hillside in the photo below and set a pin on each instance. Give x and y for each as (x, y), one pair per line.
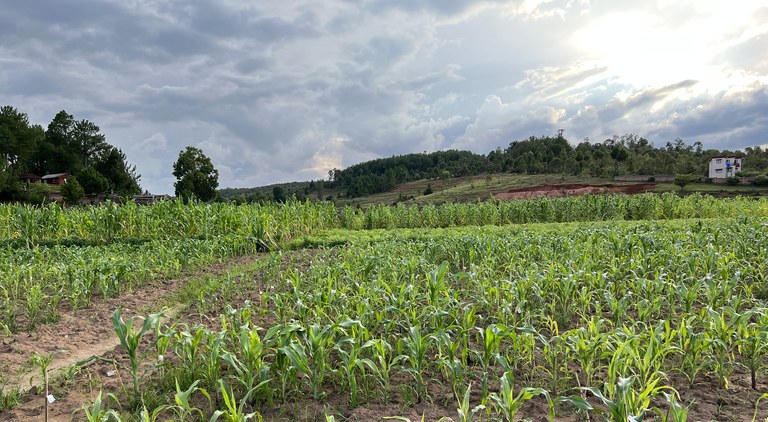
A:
(460, 176)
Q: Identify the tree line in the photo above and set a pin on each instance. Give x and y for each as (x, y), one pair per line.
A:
(628, 154)
(67, 145)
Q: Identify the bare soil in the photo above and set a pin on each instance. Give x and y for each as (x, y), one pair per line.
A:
(557, 191)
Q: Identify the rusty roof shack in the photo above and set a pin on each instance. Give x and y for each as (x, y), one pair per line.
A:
(29, 178)
(55, 179)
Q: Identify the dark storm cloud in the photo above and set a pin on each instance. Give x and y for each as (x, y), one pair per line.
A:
(717, 117)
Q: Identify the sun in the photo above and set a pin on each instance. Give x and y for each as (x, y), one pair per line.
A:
(640, 51)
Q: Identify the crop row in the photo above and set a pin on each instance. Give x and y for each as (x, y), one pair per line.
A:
(274, 223)
(36, 281)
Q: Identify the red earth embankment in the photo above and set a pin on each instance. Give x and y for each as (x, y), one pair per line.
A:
(557, 191)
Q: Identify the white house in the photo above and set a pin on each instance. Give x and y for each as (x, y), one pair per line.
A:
(725, 166)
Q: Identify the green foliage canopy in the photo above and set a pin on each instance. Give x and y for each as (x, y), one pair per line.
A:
(72, 191)
(67, 145)
(196, 176)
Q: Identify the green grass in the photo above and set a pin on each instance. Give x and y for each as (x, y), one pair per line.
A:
(464, 189)
(482, 187)
(711, 188)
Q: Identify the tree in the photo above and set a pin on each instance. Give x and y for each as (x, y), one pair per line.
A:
(87, 143)
(278, 194)
(18, 143)
(6, 177)
(55, 155)
(195, 175)
(114, 166)
(683, 180)
(619, 154)
(92, 181)
(18, 139)
(72, 191)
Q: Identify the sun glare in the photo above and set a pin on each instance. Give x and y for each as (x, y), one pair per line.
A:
(641, 52)
(647, 50)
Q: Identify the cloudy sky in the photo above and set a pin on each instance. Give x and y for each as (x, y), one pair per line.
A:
(277, 91)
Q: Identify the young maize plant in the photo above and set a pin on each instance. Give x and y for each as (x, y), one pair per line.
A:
(675, 411)
(183, 408)
(587, 347)
(309, 355)
(415, 348)
(723, 326)
(252, 369)
(693, 344)
(98, 412)
(465, 414)
(647, 353)
(490, 337)
(130, 339)
(622, 403)
(752, 342)
(352, 365)
(234, 410)
(448, 359)
(507, 404)
(385, 361)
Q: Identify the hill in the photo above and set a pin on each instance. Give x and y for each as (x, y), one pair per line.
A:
(461, 175)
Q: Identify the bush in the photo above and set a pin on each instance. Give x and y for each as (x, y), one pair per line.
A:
(733, 181)
(36, 193)
(651, 179)
(685, 179)
(761, 180)
(72, 191)
(428, 190)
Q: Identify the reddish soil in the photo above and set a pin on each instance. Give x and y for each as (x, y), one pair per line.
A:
(557, 191)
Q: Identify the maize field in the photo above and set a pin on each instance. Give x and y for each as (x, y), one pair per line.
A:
(594, 308)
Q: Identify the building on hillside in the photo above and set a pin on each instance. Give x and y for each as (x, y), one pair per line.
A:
(724, 167)
(29, 178)
(149, 199)
(55, 179)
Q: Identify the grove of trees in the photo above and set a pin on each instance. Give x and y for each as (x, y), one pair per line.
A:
(629, 154)
(67, 145)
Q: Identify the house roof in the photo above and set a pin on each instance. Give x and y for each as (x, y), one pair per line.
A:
(54, 176)
(28, 176)
(727, 156)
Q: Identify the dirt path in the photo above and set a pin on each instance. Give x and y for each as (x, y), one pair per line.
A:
(78, 335)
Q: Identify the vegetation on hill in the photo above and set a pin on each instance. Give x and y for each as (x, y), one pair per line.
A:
(621, 155)
(66, 146)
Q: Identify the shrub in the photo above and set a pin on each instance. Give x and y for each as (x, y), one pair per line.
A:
(684, 179)
(733, 181)
(72, 191)
(761, 180)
